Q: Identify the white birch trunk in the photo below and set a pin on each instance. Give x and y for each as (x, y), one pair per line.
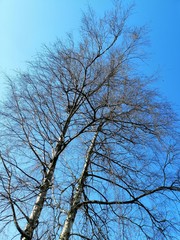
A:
(38, 206)
(68, 224)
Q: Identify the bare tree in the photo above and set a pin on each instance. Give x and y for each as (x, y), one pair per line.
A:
(88, 147)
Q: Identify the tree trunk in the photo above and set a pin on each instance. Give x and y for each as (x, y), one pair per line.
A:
(38, 206)
(65, 234)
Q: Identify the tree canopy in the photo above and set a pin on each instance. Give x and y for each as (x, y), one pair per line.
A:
(89, 149)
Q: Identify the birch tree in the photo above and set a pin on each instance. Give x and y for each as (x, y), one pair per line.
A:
(89, 149)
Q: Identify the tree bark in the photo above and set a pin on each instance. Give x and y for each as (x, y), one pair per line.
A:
(65, 234)
(38, 206)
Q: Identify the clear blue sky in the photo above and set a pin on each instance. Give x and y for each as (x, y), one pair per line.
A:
(26, 24)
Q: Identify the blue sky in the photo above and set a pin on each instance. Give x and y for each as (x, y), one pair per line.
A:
(26, 24)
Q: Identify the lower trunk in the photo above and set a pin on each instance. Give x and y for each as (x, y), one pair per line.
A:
(33, 219)
(68, 224)
(38, 206)
(65, 234)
